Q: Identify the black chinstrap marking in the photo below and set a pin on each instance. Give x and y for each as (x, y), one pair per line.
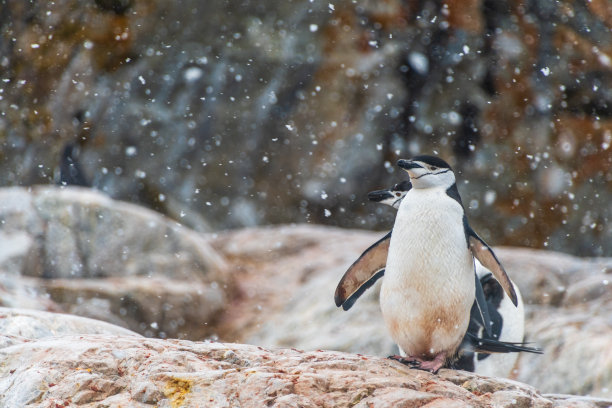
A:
(432, 174)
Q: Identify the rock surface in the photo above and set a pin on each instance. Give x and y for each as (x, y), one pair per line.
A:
(286, 278)
(21, 325)
(77, 250)
(105, 370)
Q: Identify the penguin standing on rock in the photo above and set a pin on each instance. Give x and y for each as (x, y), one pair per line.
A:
(507, 321)
(429, 289)
(500, 332)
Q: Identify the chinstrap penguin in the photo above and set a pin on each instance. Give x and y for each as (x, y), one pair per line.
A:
(428, 291)
(507, 321)
(508, 329)
(392, 196)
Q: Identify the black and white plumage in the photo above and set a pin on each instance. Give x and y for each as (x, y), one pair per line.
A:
(427, 300)
(429, 288)
(507, 321)
(392, 196)
(508, 330)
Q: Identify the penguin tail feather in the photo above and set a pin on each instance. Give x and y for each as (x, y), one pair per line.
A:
(485, 345)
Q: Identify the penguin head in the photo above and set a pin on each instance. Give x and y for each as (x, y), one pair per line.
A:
(392, 196)
(428, 171)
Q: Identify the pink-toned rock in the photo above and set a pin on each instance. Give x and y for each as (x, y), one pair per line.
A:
(285, 277)
(104, 370)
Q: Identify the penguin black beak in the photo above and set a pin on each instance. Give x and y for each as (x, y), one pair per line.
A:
(379, 195)
(408, 164)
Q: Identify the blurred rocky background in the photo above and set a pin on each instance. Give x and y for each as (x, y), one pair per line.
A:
(76, 251)
(223, 114)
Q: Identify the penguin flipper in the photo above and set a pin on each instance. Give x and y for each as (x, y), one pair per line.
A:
(362, 274)
(350, 301)
(487, 258)
(483, 309)
(489, 346)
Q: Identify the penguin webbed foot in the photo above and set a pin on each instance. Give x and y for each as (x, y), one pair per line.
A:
(412, 362)
(432, 366)
(417, 363)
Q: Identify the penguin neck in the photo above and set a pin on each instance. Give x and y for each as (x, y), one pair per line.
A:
(443, 179)
(419, 193)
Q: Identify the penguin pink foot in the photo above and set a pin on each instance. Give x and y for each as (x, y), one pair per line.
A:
(418, 363)
(433, 365)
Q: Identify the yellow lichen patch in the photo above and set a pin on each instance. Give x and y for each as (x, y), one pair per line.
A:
(176, 390)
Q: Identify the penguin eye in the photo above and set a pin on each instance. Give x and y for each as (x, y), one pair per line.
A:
(398, 194)
(433, 168)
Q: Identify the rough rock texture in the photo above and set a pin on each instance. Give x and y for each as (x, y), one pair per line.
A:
(287, 276)
(103, 370)
(320, 98)
(79, 251)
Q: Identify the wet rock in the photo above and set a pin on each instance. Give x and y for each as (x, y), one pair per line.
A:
(301, 108)
(77, 250)
(127, 370)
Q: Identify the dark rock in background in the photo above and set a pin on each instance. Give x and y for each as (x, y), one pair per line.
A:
(233, 113)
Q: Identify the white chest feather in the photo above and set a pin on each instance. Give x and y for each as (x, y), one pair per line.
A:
(428, 288)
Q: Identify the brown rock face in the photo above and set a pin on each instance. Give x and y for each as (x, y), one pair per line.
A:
(282, 112)
(102, 370)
